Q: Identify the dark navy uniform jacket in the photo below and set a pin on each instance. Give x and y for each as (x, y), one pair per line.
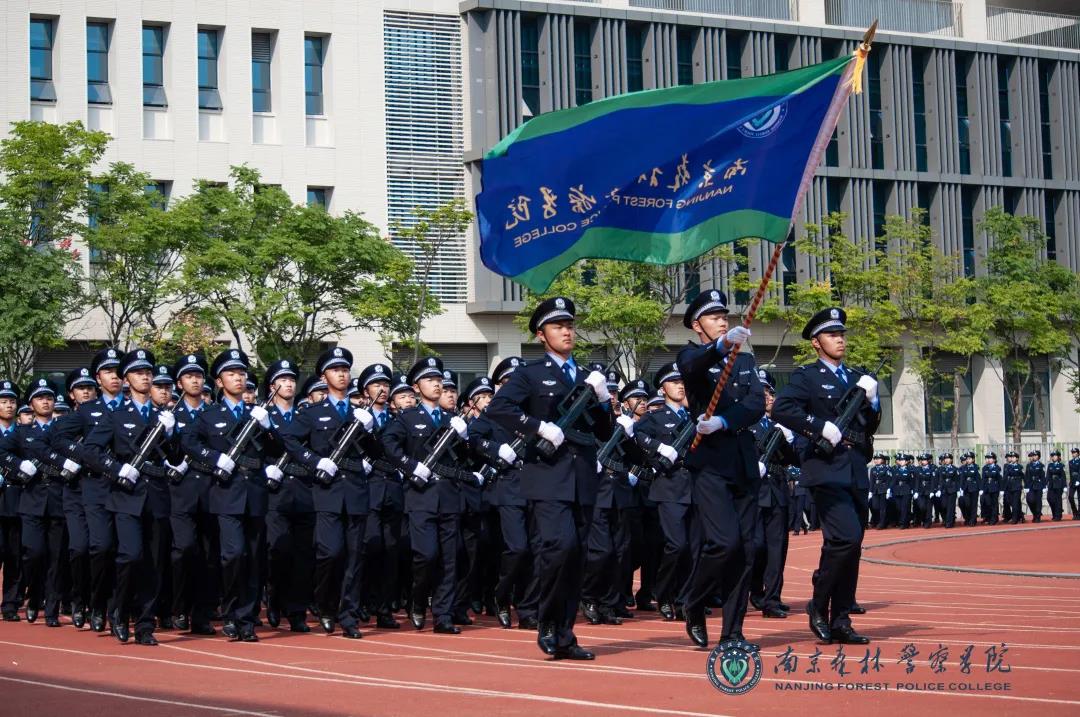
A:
(926, 480)
(244, 491)
(1035, 476)
(773, 490)
(506, 488)
(804, 405)
(311, 436)
(903, 479)
(1055, 476)
(662, 427)
(43, 494)
(10, 460)
(991, 478)
(192, 493)
(533, 394)
(95, 485)
(1013, 474)
(387, 490)
(969, 478)
(1074, 471)
(948, 478)
(408, 440)
(881, 479)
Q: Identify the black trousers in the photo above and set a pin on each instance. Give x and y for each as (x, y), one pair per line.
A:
(722, 547)
(1074, 490)
(990, 507)
(879, 507)
(434, 538)
(948, 509)
(608, 539)
(339, 560)
(926, 509)
(101, 532)
(903, 510)
(969, 507)
(1053, 498)
(78, 550)
(468, 589)
(141, 542)
(43, 553)
(11, 562)
(195, 558)
(771, 547)
(561, 531)
(382, 560)
(1034, 501)
(243, 539)
(517, 583)
(290, 539)
(648, 552)
(798, 512)
(1013, 512)
(674, 520)
(838, 568)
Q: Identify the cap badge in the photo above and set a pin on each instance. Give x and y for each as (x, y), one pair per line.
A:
(560, 304)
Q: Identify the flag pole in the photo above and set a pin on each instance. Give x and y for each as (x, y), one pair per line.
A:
(860, 55)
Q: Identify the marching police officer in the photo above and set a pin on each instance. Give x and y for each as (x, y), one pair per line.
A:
(990, 489)
(970, 489)
(880, 490)
(10, 492)
(1055, 484)
(1034, 484)
(561, 485)
(948, 480)
(1013, 480)
(1074, 481)
(903, 489)
(926, 488)
(725, 476)
(799, 499)
(838, 479)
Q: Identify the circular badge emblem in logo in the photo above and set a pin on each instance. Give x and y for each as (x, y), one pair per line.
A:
(733, 669)
(765, 123)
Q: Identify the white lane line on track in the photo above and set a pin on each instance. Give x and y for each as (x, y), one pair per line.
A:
(137, 698)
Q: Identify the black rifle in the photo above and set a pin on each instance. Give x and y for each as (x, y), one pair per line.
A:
(149, 443)
(660, 464)
(440, 442)
(67, 475)
(772, 445)
(570, 410)
(345, 442)
(847, 409)
(489, 471)
(243, 437)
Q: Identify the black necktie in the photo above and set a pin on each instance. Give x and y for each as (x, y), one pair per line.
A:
(683, 415)
(287, 416)
(238, 411)
(342, 409)
(436, 416)
(145, 410)
(840, 374)
(568, 371)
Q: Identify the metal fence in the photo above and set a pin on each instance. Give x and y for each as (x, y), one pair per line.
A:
(930, 17)
(981, 449)
(1028, 27)
(767, 9)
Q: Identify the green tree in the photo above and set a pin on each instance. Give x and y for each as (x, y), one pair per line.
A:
(44, 173)
(282, 278)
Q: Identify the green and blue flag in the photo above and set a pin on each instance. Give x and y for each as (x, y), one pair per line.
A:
(659, 176)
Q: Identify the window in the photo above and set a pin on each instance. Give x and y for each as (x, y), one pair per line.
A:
(963, 129)
(209, 98)
(831, 49)
(834, 195)
(1046, 68)
(159, 192)
(881, 204)
(782, 53)
(1034, 386)
(684, 50)
(97, 64)
(530, 63)
(918, 97)
(1004, 71)
(877, 130)
(153, 66)
(314, 54)
(317, 196)
(691, 283)
(262, 48)
(788, 276)
(583, 93)
(635, 57)
(733, 55)
(41, 69)
(941, 406)
(967, 210)
(97, 190)
(885, 427)
(1050, 205)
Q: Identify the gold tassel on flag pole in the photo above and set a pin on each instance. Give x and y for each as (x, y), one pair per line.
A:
(861, 53)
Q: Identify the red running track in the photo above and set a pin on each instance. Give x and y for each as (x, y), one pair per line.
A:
(645, 666)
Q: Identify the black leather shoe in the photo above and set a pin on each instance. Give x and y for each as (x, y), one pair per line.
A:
(591, 613)
(502, 613)
(78, 618)
(848, 636)
(273, 617)
(757, 601)
(230, 630)
(667, 611)
(298, 624)
(622, 612)
(248, 635)
(97, 621)
(528, 623)
(350, 632)
(363, 615)
(165, 623)
(739, 637)
(52, 622)
(445, 627)
(11, 617)
(181, 622)
(477, 606)
(120, 630)
(31, 614)
(545, 638)
(818, 624)
(785, 607)
(203, 629)
(643, 603)
(145, 638)
(773, 612)
(461, 618)
(574, 652)
(327, 624)
(857, 609)
(695, 628)
(387, 622)
(418, 619)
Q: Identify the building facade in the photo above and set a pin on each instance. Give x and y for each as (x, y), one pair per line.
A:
(371, 105)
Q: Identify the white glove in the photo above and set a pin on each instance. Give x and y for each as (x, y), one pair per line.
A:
(507, 454)
(181, 469)
(831, 433)
(274, 473)
(459, 426)
(367, 466)
(668, 452)
(71, 466)
(28, 468)
(599, 467)
(938, 494)
(980, 492)
(167, 419)
(737, 336)
(632, 479)
(705, 426)
(627, 424)
(961, 493)
(888, 493)
(870, 495)
(761, 469)
(365, 418)
(599, 386)
(327, 466)
(868, 384)
(261, 415)
(128, 474)
(225, 463)
(788, 435)
(421, 471)
(1026, 491)
(552, 433)
(479, 478)
(915, 496)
